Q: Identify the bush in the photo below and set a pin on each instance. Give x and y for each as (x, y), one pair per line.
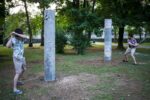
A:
(80, 43)
(61, 41)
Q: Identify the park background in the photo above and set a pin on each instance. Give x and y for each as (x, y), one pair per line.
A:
(80, 69)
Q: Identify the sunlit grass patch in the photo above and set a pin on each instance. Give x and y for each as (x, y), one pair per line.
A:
(35, 46)
(145, 44)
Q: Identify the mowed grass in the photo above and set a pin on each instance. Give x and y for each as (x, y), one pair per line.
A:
(117, 80)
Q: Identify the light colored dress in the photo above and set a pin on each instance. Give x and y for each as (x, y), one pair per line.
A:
(18, 52)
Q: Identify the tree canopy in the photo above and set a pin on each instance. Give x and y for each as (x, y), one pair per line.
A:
(80, 18)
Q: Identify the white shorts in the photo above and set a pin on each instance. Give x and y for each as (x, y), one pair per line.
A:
(130, 50)
(20, 64)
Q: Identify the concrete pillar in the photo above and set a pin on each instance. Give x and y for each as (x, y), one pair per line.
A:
(49, 45)
(108, 40)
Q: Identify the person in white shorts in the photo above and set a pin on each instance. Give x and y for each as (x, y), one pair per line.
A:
(132, 44)
(16, 42)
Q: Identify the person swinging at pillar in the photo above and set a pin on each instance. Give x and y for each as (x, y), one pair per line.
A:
(132, 45)
(16, 42)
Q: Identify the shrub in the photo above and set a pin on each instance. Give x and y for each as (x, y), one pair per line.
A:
(61, 41)
(80, 43)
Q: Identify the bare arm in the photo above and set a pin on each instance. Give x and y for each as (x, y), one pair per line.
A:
(9, 43)
(20, 35)
(132, 44)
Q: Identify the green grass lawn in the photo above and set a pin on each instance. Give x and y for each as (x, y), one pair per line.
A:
(79, 77)
(146, 44)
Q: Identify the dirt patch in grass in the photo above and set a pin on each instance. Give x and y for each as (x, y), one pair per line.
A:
(126, 88)
(72, 87)
(76, 87)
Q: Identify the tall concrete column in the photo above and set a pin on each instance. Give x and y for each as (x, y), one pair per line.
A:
(49, 45)
(108, 40)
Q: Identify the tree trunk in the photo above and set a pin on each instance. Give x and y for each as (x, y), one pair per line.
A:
(115, 37)
(2, 21)
(89, 32)
(115, 34)
(42, 31)
(120, 38)
(89, 38)
(84, 4)
(94, 2)
(89, 35)
(76, 3)
(28, 24)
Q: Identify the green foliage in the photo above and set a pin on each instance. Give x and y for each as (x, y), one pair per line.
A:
(2, 12)
(126, 12)
(60, 42)
(61, 27)
(80, 43)
(130, 29)
(81, 23)
(36, 24)
(78, 23)
(19, 20)
(15, 21)
(43, 3)
(2, 21)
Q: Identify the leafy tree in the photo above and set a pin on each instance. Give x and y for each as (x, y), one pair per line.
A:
(28, 23)
(14, 21)
(123, 12)
(36, 24)
(61, 39)
(19, 20)
(14, 4)
(82, 21)
(146, 15)
(43, 4)
(2, 12)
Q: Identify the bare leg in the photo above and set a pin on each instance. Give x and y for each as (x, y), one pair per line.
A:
(134, 59)
(23, 67)
(125, 59)
(15, 81)
(21, 75)
(20, 82)
(132, 55)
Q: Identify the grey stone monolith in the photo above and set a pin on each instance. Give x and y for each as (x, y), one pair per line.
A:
(107, 40)
(49, 45)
